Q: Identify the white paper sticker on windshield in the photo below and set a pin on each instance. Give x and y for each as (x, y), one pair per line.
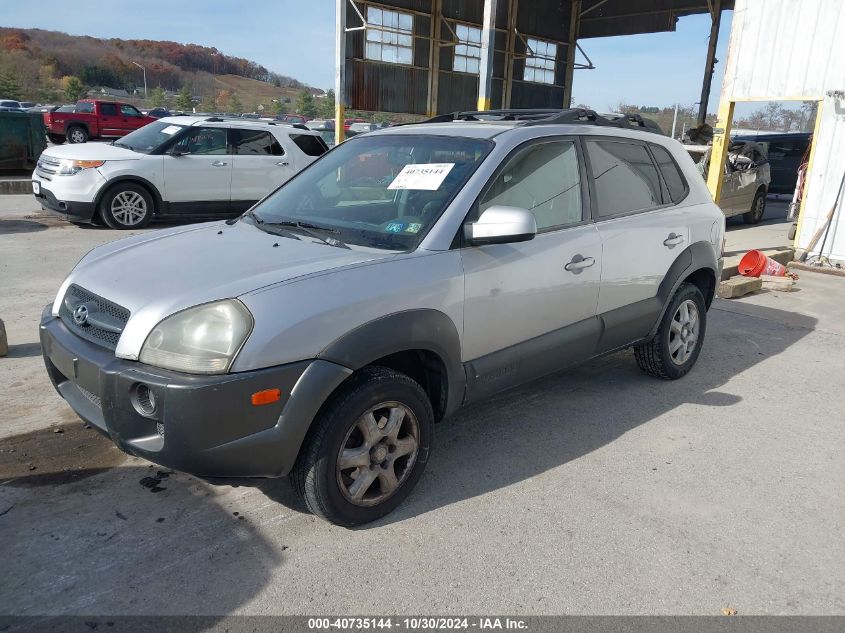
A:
(171, 130)
(427, 176)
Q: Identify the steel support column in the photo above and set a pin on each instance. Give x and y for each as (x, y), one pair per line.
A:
(571, 51)
(513, 7)
(434, 57)
(340, 71)
(488, 45)
(715, 21)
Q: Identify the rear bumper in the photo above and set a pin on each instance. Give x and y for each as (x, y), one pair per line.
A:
(204, 425)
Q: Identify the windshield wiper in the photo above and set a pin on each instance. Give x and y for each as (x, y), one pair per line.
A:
(310, 230)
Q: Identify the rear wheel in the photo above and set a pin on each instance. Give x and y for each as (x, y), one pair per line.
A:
(56, 139)
(675, 348)
(758, 208)
(126, 206)
(367, 448)
(77, 134)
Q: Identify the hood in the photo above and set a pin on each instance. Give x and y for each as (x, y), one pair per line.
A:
(92, 151)
(156, 274)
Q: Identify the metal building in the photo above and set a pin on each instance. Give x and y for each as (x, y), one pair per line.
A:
(793, 50)
(435, 56)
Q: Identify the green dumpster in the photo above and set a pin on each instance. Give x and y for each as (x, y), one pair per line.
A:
(22, 139)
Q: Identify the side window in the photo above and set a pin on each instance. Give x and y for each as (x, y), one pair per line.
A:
(672, 175)
(108, 109)
(625, 177)
(309, 144)
(543, 178)
(128, 110)
(85, 107)
(255, 143)
(203, 141)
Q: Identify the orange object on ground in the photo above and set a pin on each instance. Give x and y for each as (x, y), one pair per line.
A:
(755, 263)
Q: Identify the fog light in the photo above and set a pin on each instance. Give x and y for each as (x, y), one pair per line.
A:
(144, 400)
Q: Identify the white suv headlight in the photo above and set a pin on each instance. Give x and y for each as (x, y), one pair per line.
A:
(200, 340)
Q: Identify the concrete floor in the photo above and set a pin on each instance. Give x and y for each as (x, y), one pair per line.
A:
(597, 491)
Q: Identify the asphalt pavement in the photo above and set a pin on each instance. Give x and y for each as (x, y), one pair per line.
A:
(596, 491)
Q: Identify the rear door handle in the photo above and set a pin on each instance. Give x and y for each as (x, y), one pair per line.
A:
(579, 263)
(673, 240)
(219, 163)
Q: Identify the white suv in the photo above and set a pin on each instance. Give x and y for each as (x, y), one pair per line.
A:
(178, 167)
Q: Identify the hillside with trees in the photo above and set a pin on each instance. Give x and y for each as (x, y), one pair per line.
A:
(49, 66)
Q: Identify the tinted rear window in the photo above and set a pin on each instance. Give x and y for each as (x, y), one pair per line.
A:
(672, 175)
(255, 143)
(625, 177)
(311, 145)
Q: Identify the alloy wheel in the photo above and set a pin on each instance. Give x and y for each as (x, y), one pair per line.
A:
(683, 332)
(378, 454)
(129, 208)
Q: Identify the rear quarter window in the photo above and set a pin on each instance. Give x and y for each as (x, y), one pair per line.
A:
(672, 176)
(312, 145)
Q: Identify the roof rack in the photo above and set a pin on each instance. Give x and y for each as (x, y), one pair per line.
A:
(568, 116)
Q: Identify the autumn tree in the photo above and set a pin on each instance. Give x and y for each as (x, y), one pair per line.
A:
(74, 88)
(184, 101)
(305, 104)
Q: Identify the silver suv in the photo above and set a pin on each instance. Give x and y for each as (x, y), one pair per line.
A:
(404, 274)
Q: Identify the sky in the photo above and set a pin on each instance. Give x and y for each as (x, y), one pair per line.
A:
(296, 38)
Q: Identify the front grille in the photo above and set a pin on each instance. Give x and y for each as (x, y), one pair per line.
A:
(92, 317)
(47, 167)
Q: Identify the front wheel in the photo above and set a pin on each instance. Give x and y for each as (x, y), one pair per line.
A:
(758, 208)
(77, 134)
(367, 449)
(676, 346)
(126, 206)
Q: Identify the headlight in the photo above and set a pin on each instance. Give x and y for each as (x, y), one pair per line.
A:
(200, 340)
(69, 167)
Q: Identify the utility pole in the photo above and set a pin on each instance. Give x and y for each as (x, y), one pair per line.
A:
(675, 120)
(145, 77)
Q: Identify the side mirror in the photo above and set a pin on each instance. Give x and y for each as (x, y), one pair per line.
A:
(502, 225)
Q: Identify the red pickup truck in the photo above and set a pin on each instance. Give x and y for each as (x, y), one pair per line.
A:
(91, 118)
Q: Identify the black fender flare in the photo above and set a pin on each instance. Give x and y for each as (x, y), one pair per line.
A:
(696, 256)
(423, 329)
(159, 202)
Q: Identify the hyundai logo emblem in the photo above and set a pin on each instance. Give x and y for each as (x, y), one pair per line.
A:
(80, 315)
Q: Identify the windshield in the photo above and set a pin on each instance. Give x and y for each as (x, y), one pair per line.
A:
(149, 137)
(381, 191)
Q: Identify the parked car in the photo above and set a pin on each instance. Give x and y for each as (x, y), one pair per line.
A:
(408, 272)
(292, 118)
(92, 119)
(745, 181)
(785, 153)
(158, 113)
(10, 105)
(185, 167)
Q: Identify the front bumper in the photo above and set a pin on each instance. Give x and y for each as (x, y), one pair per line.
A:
(204, 425)
(78, 211)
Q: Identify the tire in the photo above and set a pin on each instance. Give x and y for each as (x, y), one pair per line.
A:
(656, 357)
(77, 134)
(127, 206)
(56, 139)
(326, 486)
(758, 208)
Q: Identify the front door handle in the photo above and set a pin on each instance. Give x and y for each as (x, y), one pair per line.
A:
(579, 263)
(673, 240)
(219, 163)
(283, 163)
